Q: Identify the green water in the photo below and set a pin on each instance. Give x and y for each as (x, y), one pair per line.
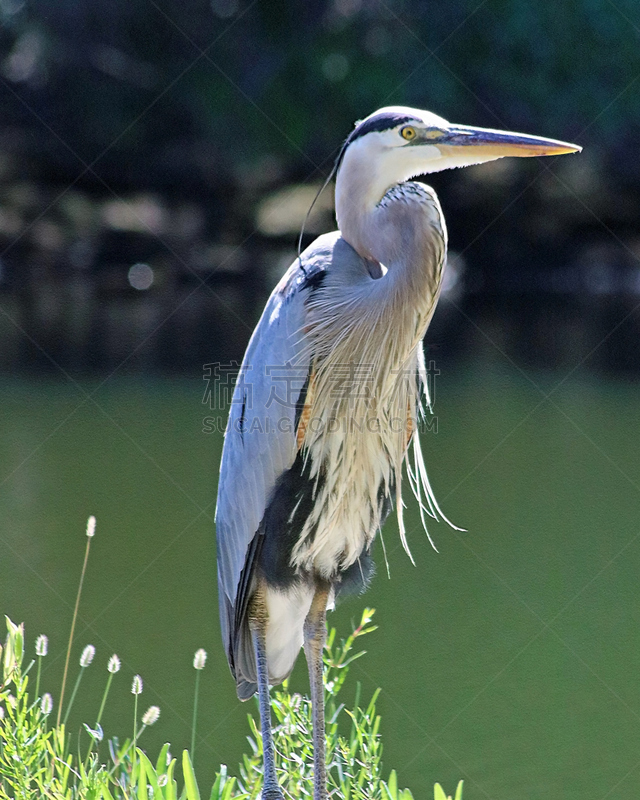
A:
(510, 659)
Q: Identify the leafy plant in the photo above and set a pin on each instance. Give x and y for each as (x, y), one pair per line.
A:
(354, 769)
(36, 761)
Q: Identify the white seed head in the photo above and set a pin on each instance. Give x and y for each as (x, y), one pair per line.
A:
(1, 712)
(46, 704)
(87, 655)
(151, 715)
(114, 664)
(91, 526)
(136, 686)
(162, 780)
(200, 659)
(42, 645)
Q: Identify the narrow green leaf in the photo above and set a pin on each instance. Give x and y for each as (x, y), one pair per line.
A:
(151, 774)
(228, 790)
(13, 650)
(142, 779)
(438, 793)
(190, 784)
(161, 763)
(459, 791)
(372, 705)
(171, 789)
(218, 784)
(106, 794)
(393, 784)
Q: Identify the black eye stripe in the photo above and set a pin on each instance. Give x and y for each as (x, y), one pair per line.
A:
(382, 122)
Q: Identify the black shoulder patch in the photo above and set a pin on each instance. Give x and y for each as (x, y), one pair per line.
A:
(303, 278)
(284, 518)
(314, 280)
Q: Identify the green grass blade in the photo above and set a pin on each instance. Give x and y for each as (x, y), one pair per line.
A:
(190, 784)
(151, 775)
(161, 763)
(219, 782)
(438, 793)
(105, 793)
(393, 784)
(171, 789)
(228, 790)
(142, 779)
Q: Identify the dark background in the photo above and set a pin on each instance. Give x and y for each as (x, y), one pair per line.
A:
(156, 161)
(149, 132)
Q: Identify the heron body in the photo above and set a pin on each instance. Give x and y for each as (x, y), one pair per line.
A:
(326, 409)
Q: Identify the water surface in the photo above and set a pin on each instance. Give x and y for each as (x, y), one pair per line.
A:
(511, 658)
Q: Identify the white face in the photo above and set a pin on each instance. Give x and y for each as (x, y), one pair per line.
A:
(417, 147)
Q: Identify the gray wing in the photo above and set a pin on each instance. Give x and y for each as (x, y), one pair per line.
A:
(260, 444)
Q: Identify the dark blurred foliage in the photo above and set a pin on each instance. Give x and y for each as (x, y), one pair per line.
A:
(190, 114)
(181, 96)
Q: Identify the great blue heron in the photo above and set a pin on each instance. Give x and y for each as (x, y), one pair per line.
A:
(327, 402)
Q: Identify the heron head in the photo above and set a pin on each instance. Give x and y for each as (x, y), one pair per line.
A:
(396, 143)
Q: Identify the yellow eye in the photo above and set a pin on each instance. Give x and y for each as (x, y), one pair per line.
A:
(408, 133)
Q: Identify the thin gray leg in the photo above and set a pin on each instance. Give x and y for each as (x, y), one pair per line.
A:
(258, 624)
(315, 635)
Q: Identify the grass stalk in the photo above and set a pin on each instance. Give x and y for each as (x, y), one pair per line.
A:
(199, 660)
(104, 698)
(38, 677)
(100, 712)
(73, 697)
(90, 531)
(136, 689)
(195, 716)
(135, 732)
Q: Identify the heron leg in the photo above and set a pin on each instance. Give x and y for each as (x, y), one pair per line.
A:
(258, 618)
(315, 634)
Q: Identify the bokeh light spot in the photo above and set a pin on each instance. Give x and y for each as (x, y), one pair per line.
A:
(140, 276)
(335, 67)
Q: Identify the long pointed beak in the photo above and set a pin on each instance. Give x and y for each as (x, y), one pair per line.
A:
(496, 144)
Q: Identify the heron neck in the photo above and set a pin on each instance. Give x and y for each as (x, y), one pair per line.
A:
(400, 226)
(384, 218)
(359, 189)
